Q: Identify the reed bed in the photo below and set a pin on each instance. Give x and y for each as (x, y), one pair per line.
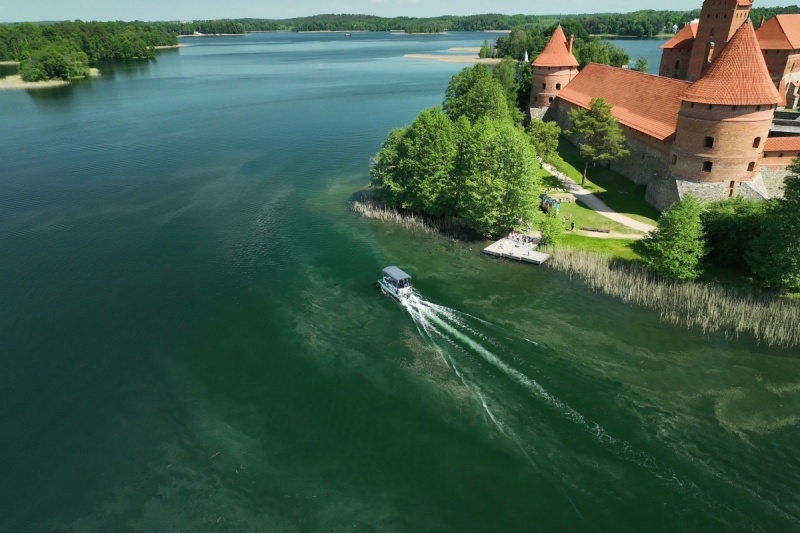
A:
(374, 209)
(771, 320)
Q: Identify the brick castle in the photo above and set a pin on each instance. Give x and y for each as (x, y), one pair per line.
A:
(712, 123)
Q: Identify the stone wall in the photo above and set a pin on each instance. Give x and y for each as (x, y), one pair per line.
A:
(773, 178)
(662, 192)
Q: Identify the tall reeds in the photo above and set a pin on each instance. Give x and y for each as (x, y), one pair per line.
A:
(771, 320)
(374, 209)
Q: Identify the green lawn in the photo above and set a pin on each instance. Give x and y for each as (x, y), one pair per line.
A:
(576, 211)
(618, 248)
(619, 193)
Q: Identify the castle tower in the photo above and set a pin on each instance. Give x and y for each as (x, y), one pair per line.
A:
(553, 69)
(724, 120)
(719, 20)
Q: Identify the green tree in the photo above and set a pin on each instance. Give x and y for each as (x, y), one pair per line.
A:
(598, 133)
(54, 62)
(730, 227)
(551, 229)
(385, 170)
(641, 65)
(474, 93)
(775, 254)
(499, 170)
(675, 249)
(543, 136)
(426, 167)
(485, 50)
(505, 73)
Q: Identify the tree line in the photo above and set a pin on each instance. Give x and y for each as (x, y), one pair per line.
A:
(587, 49)
(757, 240)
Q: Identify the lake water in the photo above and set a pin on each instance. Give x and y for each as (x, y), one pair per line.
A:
(192, 337)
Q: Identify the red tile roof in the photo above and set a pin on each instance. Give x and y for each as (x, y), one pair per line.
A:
(684, 39)
(782, 144)
(781, 32)
(738, 77)
(640, 101)
(556, 53)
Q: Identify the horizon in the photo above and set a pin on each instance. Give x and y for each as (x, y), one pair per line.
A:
(153, 10)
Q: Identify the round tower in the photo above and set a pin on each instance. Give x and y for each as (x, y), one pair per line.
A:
(724, 120)
(553, 69)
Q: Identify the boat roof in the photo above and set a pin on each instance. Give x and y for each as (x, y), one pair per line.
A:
(396, 273)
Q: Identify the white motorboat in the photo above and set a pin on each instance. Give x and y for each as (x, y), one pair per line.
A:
(395, 282)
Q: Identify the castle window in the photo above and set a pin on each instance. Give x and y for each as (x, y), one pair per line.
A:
(756, 142)
(758, 108)
(707, 166)
(677, 64)
(558, 86)
(780, 155)
(535, 98)
(674, 160)
(691, 104)
(731, 188)
(733, 108)
(710, 106)
(544, 86)
(751, 166)
(708, 142)
(550, 99)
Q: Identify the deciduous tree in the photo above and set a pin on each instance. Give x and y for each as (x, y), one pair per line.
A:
(675, 249)
(475, 94)
(598, 134)
(500, 179)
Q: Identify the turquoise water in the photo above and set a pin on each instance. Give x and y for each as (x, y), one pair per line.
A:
(192, 337)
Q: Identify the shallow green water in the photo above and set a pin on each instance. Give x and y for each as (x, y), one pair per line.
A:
(192, 338)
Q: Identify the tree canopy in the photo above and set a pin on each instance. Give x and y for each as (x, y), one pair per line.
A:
(475, 94)
(598, 134)
(775, 254)
(675, 249)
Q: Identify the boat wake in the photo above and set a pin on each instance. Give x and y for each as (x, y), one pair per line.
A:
(498, 370)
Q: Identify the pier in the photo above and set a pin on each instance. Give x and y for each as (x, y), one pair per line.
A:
(518, 248)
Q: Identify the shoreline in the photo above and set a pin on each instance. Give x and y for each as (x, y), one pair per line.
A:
(9, 63)
(445, 58)
(15, 83)
(166, 47)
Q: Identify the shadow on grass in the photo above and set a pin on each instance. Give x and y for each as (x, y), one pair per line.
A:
(619, 193)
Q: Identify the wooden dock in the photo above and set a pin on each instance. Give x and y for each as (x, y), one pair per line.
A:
(516, 249)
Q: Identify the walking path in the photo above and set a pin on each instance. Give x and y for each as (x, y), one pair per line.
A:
(594, 203)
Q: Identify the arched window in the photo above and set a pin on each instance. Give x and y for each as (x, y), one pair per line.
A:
(751, 166)
(544, 86)
(707, 166)
(709, 142)
(674, 159)
(677, 64)
(756, 142)
(558, 86)
(550, 99)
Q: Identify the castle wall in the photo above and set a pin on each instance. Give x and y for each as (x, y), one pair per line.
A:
(675, 62)
(774, 179)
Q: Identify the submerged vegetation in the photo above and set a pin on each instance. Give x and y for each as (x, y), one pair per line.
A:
(770, 319)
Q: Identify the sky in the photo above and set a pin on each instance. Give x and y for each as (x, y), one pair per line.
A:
(45, 10)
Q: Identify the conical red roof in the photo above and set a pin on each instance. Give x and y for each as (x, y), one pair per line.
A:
(556, 53)
(738, 77)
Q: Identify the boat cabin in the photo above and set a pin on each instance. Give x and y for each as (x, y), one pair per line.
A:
(396, 282)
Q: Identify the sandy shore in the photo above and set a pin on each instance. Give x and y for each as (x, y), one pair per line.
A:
(446, 58)
(169, 46)
(467, 49)
(15, 82)
(9, 62)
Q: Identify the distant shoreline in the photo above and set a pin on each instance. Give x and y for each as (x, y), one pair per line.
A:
(9, 62)
(14, 82)
(164, 47)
